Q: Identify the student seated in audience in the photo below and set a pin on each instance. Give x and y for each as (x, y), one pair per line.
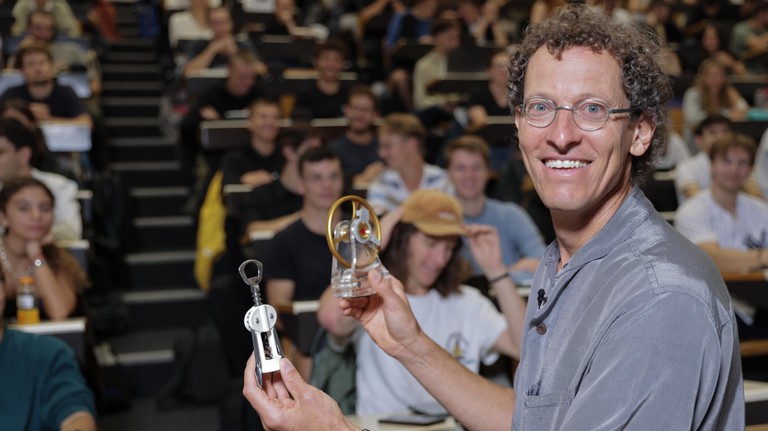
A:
(284, 21)
(325, 97)
(750, 36)
(43, 159)
(659, 18)
(236, 93)
(761, 165)
(728, 224)
(358, 146)
(59, 9)
(402, 146)
(695, 174)
(191, 24)
(435, 108)
(674, 152)
(413, 25)
(17, 146)
(257, 162)
(275, 205)
(468, 165)
(268, 208)
(711, 94)
(67, 56)
(47, 99)
(482, 24)
(215, 53)
(424, 250)
(710, 47)
(491, 99)
(297, 260)
(42, 385)
(27, 248)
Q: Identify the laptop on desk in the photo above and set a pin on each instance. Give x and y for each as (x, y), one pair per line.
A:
(67, 136)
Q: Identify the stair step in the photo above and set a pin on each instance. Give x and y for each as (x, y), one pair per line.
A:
(165, 308)
(160, 268)
(150, 174)
(133, 72)
(164, 233)
(133, 126)
(142, 149)
(131, 106)
(130, 31)
(146, 358)
(131, 44)
(132, 88)
(144, 415)
(159, 201)
(131, 57)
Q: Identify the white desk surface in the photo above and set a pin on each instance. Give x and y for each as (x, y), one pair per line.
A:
(372, 423)
(72, 325)
(755, 391)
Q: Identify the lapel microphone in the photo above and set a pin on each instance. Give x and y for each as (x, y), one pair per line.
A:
(540, 298)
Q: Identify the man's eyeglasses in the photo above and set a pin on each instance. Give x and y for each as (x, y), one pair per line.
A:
(589, 115)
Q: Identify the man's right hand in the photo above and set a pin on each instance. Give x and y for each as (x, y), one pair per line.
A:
(386, 316)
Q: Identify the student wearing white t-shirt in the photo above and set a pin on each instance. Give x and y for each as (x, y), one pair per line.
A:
(728, 224)
(423, 250)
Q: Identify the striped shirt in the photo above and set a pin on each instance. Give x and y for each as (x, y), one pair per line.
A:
(389, 190)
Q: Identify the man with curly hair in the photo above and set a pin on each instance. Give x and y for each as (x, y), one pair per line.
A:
(628, 325)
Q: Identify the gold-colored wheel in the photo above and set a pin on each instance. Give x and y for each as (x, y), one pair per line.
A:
(364, 230)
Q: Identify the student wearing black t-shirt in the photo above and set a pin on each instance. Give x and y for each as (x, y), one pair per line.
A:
(358, 146)
(257, 162)
(324, 98)
(47, 100)
(297, 261)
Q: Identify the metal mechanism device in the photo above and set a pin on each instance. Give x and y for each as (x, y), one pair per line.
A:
(355, 246)
(260, 321)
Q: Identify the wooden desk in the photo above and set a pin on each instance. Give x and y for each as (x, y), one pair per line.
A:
(471, 58)
(458, 82)
(295, 49)
(222, 135)
(756, 404)
(408, 51)
(71, 331)
(751, 287)
(201, 81)
(752, 128)
(372, 423)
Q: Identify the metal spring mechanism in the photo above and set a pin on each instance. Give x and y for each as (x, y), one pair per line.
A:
(260, 321)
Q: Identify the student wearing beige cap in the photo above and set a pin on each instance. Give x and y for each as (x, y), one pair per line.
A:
(423, 250)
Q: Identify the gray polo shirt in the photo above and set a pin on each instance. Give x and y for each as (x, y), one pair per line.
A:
(637, 332)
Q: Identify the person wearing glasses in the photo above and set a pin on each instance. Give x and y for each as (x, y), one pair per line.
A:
(628, 324)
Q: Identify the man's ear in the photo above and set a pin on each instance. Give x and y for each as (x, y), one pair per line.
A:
(642, 135)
